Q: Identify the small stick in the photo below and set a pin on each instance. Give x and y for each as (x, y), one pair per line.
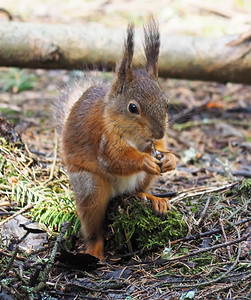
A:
(165, 195)
(9, 266)
(27, 207)
(224, 274)
(24, 209)
(206, 191)
(181, 257)
(225, 237)
(185, 239)
(50, 263)
(203, 214)
(227, 286)
(240, 172)
(34, 276)
(210, 232)
(240, 209)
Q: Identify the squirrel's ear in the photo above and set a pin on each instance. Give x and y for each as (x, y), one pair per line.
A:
(151, 47)
(124, 72)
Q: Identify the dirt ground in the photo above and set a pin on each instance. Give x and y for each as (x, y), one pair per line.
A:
(209, 132)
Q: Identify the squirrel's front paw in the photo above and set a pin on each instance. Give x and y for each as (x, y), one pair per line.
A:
(150, 165)
(168, 162)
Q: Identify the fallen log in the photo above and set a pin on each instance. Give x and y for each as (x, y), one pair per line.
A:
(47, 46)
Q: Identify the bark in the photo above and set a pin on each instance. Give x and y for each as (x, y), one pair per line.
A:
(56, 46)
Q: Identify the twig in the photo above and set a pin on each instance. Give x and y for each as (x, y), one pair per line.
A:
(163, 261)
(70, 295)
(243, 173)
(20, 277)
(222, 275)
(202, 216)
(42, 249)
(165, 195)
(240, 172)
(218, 11)
(185, 239)
(50, 263)
(27, 207)
(227, 286)
(240, 209)
(180, 127)
(243, 238)
(5, 253)
(24, 209)
(105, 286)
(233, 277)
(116, 259)
(34, 276)
(206, 191)
(225, 237)
(210, 232)
(9, 266)
(190, 111)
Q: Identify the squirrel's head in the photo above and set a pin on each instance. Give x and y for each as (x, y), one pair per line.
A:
(136, 100)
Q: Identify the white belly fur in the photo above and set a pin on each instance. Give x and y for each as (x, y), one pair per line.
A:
(127, 184)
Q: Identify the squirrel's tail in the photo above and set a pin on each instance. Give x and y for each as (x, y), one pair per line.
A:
(69, 95)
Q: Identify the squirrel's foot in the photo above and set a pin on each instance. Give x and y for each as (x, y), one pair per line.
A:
(95, 248)
(159, 205)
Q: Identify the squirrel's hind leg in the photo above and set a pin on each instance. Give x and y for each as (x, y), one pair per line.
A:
(92, 197)
(159, 205)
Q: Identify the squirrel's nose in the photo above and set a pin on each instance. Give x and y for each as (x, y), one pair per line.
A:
(159, 133)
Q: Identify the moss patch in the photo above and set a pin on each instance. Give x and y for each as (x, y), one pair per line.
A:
(245, 187)
(135, 226)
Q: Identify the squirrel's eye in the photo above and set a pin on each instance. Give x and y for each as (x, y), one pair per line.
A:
(133, 108)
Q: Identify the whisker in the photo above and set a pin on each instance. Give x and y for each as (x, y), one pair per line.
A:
(181, 118)
(187, 113)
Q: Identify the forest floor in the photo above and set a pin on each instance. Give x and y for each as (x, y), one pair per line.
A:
(206, 254)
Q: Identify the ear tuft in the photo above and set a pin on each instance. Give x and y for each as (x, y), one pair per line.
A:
(151, 47)
(124, 69)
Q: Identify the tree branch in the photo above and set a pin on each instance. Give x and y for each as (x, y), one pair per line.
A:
(28, 45)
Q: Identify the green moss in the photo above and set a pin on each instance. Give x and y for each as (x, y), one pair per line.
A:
(136, 227)
(242, 189)
(245, 187)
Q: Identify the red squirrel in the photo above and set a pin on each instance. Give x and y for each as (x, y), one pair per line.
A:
(108, 135)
